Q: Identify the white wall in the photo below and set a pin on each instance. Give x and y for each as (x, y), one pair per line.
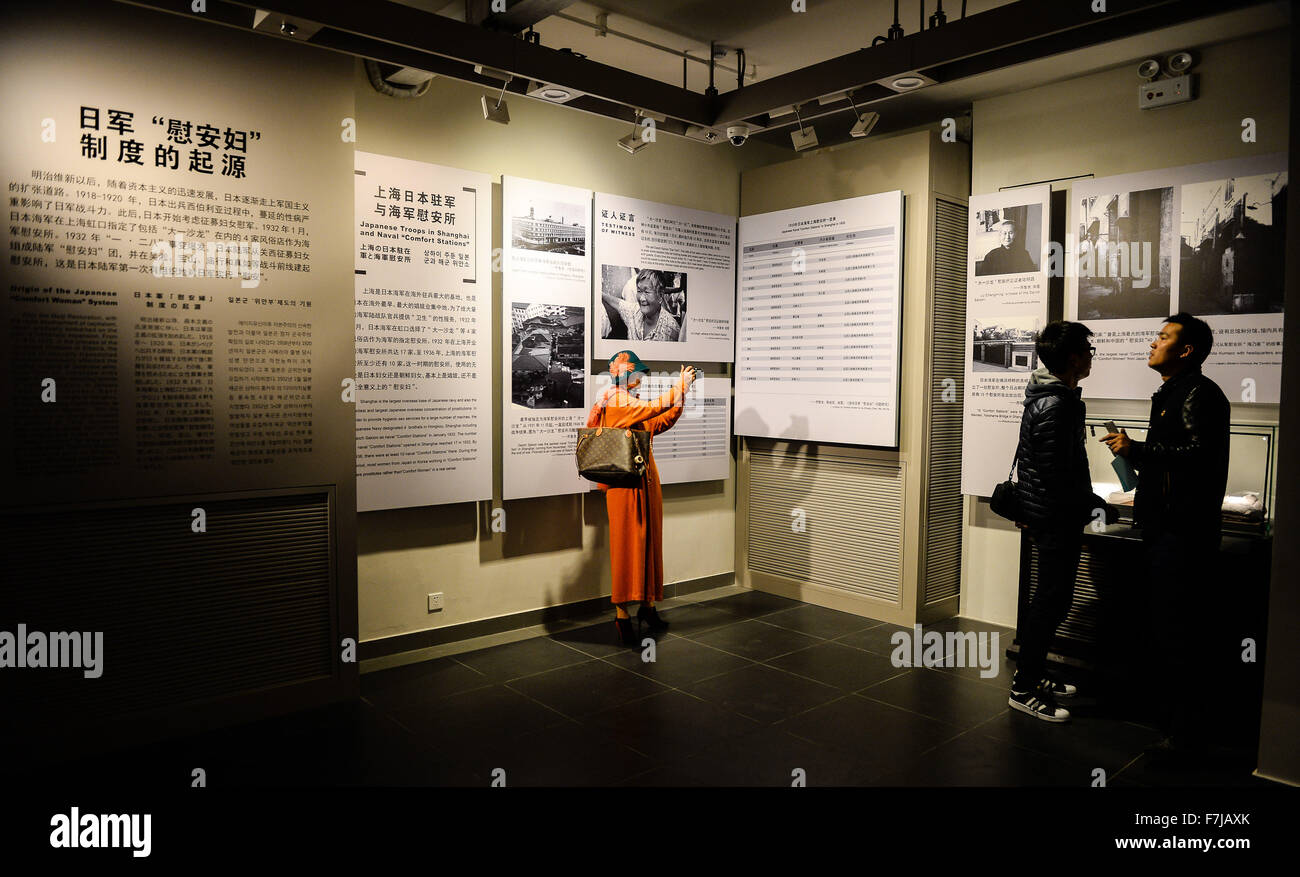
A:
(555, 549)
(1091, 124)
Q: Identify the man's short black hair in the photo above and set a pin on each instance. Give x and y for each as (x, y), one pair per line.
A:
(1058, 340)
(1195, 332)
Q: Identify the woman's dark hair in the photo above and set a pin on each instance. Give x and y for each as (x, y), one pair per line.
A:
(1194, 332)
(1058, 340)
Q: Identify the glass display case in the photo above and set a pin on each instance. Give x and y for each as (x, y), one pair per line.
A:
(1247, 505)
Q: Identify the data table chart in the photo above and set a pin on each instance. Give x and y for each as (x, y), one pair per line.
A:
(818, 328)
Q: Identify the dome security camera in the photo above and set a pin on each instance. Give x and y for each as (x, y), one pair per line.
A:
(737, 134)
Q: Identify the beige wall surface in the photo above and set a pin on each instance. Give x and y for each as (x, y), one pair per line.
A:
(555, 549)
(1092, 125)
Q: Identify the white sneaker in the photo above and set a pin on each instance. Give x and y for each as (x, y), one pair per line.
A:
(1039, 705)
(1057, 689)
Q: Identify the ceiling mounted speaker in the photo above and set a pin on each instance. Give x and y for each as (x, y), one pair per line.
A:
(1179, 62)
(1149, 69)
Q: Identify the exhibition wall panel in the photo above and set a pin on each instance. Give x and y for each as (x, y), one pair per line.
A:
(1097, 130)
(914, 163)
(553, 550)
(177, 317)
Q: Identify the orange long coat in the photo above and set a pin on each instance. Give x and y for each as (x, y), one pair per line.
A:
(636, 514)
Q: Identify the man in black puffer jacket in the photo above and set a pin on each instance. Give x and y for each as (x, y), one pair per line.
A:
(1056, 500)
(1182, 474)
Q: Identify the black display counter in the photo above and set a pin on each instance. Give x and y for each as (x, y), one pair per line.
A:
(1104, 641)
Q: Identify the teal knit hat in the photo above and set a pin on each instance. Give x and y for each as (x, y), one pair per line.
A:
(623, 364)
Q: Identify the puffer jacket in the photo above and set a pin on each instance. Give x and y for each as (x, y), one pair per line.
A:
(1054, 487)
(1183, 464)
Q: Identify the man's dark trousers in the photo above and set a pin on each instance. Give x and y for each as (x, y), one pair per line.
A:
(1187, 654)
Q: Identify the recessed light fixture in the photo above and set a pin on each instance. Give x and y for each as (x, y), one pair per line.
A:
(904, 82)
(704, 135)
(556, 94)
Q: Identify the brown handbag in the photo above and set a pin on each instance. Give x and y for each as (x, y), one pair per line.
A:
(617, 457)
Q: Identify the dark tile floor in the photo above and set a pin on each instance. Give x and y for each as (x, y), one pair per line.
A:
(744, 690)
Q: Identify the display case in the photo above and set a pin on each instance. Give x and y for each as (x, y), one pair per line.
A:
(1247, 504)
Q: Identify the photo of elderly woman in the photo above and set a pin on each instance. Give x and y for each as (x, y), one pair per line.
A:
(642, 304)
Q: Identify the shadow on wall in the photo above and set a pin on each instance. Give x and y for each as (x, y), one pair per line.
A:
(541, 525)
(415, 528)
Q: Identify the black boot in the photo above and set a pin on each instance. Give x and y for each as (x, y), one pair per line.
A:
(625, 632)
(650, 618)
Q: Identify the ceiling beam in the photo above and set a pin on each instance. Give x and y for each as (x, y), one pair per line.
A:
(399, 34)
(1000, 37)
(1013, 34)
(519, 14)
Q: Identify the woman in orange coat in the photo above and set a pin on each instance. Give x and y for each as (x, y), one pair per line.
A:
(636, 514)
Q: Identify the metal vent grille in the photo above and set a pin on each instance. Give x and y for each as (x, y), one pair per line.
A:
(943, 498)
(853, 515)
(185, 616)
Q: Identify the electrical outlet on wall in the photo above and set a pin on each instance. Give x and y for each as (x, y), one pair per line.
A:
(435, 602)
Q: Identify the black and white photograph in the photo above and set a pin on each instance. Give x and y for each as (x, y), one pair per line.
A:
(1125, 254)
(551, 227)
(1009, 240)
(642, 304)
(1232, 243)
(547, 349)
(1004, 344)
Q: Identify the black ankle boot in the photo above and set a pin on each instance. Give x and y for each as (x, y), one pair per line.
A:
(650, 618)
(625, 632)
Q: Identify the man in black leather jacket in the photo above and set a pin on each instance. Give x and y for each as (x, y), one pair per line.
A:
(1182, 474)
(1054, 492)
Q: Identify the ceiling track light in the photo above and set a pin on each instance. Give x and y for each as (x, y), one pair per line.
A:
(633, 142)
(499, 113)
(863, 122)
(803, 139)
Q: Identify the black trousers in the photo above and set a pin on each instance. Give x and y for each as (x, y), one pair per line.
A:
(1058, 564)
(1188, 654)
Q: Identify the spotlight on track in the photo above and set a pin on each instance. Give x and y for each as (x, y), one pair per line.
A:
(803, 139)
(633, 141)
(865, 121)
(499, 111)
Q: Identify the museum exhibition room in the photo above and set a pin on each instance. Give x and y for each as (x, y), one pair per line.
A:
(404, 399)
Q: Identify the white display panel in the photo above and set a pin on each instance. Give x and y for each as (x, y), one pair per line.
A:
(698, 446)
(818, 337)
(642, 248)
(546, 333)
(1006, 307)
(424, 333)
(1203, 238)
